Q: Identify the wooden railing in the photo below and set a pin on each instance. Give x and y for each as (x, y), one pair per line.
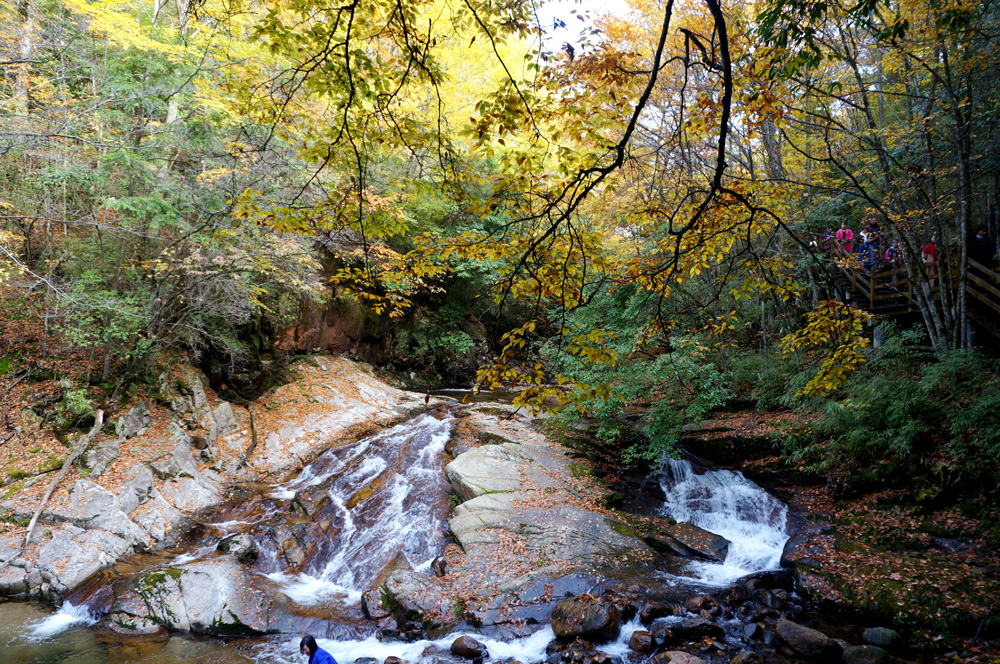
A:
(891, 291)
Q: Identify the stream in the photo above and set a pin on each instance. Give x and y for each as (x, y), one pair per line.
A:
(384, 501)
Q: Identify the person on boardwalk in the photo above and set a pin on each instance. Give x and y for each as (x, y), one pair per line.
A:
(317, 655)
(980, 249)
(928, 256)
(845, 239)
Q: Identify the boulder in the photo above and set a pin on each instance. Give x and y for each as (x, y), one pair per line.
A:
(882, 637)
(214, 596)
(134, 422)
(865, 655)
(102, 455)
(220, 421)
(703, 603)
(371, 605)
(677, 657)
(698, 542)
(689, 629)
(748, 657)
(805, 641)
(654, 610)
(419, 596)
(468, 648)
(641, 641)
(137, 488)
(161, 521)
(73, 554)
(240, 546)
(588, 617)
(567, 533)
(189, 495)
(91, 507)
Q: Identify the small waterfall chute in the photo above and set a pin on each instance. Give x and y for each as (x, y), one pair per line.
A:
(67, 616)
(388, 497)
(728, 504)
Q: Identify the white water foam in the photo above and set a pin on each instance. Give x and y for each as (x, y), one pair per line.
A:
(67, 616)
(527, 649)
(730, 505)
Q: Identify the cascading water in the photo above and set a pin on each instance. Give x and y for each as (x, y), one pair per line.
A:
(388, 497)
(727, 504)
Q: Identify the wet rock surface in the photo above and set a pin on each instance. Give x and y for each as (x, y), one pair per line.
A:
(588, 617)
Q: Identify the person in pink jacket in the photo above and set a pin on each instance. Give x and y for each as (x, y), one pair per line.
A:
(845, 238)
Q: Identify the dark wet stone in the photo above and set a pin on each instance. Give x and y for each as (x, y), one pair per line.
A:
(883, 637)
(468, 648)
(440, 566)
(366, 660)
(394, 660)
(701, 603)
(753, 630)
(241, 546)
(653, 611)
(371, 605)
(685, 539)
(588, 617)
(806, 641)
(693, 629)
(772, 600)
(748, 657)
(865, 655)
(677, 657)
(690, 629)
(641, 641)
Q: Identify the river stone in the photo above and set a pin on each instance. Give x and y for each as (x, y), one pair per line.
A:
(703, 603)
(865, 655)
(689, 629)
(241, 546)
(698, 541)
(588, 617)
(566, 533)
(220, 421)
(505, 467)
(73, 554)
(468, 648)
(101, 456)
(748, 657)
(91, 506)
(136, 489)
(161, 521)
(882, 637)
(214, 596)
(654, 610)
(189, 495)
(178, 462)
(134, 422)
(371, 605)
(677, 657)
(806, 641)
(641, 641)
(412, 594)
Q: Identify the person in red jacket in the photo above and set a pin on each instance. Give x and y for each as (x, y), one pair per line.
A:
(928, 255)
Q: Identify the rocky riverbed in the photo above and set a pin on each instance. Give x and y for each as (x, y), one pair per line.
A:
(194, 516)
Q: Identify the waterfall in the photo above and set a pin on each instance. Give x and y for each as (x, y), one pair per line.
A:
(388, 498)
(727, 504)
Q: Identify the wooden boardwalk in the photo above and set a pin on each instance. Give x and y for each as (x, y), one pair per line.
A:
(891, 292)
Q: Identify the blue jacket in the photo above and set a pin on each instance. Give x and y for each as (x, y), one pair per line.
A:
(321, 657)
